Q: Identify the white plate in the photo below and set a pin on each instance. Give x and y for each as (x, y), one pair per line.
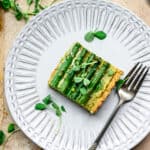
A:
(38, 49)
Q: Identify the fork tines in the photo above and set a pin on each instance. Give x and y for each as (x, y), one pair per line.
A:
(136, 76)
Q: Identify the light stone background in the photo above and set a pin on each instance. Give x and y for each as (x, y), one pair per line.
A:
(9, 28)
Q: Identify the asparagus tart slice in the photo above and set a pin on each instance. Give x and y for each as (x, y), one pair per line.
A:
(84, 78)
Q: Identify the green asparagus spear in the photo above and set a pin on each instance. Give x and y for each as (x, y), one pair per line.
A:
(83, 71)
(82, 99)
(106, 79)
(102, 84)
(89, 75)
(64, 66)
(62, 87)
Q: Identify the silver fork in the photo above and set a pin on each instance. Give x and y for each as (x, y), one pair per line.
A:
(126, 93)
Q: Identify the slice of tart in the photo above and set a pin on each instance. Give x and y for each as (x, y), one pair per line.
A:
(84, 78)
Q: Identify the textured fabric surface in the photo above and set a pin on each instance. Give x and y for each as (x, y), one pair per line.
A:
(7, 36)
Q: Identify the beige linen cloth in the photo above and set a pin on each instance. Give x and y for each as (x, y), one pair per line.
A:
(9, 28)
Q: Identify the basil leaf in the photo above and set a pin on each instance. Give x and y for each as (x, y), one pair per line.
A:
(120, 83)
(86, 82)
(100, 35)
(78, 79)
(11, 127)
(63, 108)
(83, 91)
(2, 137)
(40, 106)
(47, 100)
(89, 36)
(29, 2)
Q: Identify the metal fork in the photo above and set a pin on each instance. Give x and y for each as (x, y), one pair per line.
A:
(127, 92)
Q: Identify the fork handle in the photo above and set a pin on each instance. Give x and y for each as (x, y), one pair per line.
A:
(99, 137)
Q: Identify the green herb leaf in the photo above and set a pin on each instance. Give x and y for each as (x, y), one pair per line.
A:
(120, 83)
(83, 91)
(29, 2)
(84, 75)
(55, 106)
(36, 6)
(86, 64)
(0, 4)
(47, 100)
(63, 108)
(2, 137)
(58, 113)
(42, 7)
(5, 4)
(40, 106)
(76, 68)
(89, 36)
(86, 82)
(13, 5)
(11, 127)
(18, 13)
(78, 79)
(77, 62)
(100, 35)
(26, 16)
(83, 65)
